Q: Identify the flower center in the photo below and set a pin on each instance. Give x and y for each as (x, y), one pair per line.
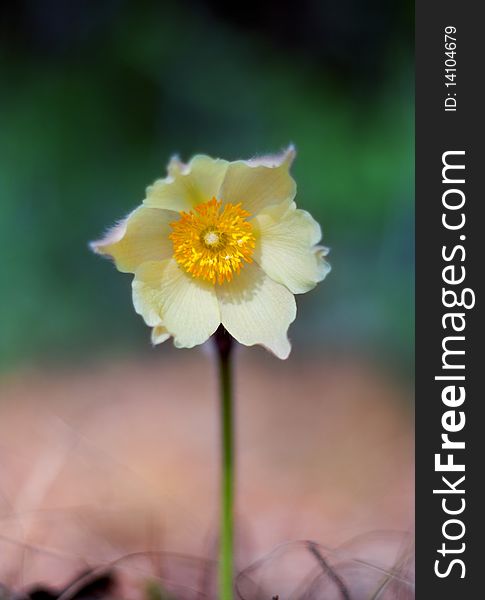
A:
(211, 238)
(213, 242)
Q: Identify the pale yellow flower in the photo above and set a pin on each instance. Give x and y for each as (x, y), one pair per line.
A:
(220, 242)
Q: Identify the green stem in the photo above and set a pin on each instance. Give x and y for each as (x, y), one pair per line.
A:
(223, 343)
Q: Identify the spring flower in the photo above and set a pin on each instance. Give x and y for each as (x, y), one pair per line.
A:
(220, 242)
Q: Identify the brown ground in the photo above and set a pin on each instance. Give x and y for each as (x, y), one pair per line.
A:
(102, 461)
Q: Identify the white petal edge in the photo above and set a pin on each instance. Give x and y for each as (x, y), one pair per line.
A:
(274, 160)
(257, 310)
(164, 295)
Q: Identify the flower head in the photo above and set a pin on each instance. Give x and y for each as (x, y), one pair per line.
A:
(220, 242)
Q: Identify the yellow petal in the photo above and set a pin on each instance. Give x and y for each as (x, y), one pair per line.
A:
(258, 183)
(159, 335)
(187, 185)
(287, 250)
(141, 237)
(257, 310)
(164, 295)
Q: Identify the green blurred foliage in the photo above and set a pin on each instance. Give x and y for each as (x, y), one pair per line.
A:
(85, 130)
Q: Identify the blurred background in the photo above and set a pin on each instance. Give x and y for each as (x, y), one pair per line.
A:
(109, 446)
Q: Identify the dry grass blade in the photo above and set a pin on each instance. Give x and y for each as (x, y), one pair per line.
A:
(327, 569)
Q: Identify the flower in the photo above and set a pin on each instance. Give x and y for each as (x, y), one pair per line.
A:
(220, 242)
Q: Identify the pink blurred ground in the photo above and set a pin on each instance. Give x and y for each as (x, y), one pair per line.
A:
(102, 461)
